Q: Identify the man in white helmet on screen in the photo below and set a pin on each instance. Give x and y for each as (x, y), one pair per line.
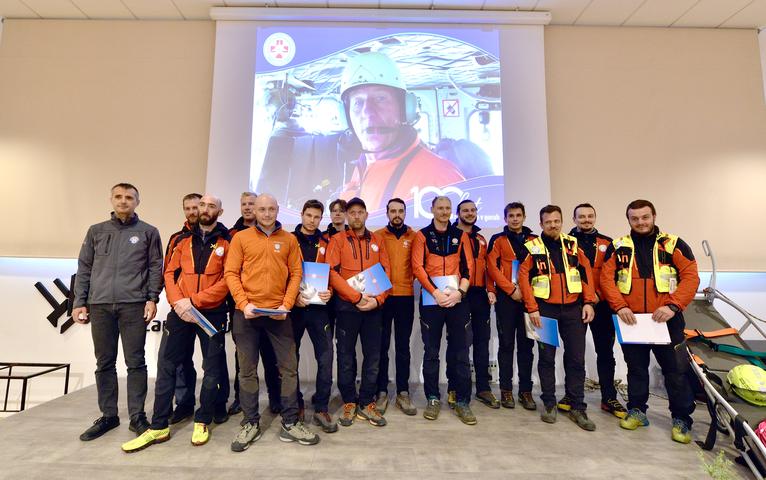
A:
(381, 114)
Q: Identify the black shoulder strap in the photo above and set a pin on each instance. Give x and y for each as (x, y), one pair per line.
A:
(393, 181)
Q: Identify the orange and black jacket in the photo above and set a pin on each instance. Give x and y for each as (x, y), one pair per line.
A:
(349, 254)
(331, 230)
(596, 247)
(172, 243)
(239, 225)
(264, 270)
(437, 254)
(195, 268)
(399, 248)
(480, 278)
(504, 248)
(313, 247)
(643, 296)
(531, 267)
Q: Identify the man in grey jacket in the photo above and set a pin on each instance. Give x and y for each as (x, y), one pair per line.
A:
(118, 283)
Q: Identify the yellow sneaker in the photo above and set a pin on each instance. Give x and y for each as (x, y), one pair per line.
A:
(451, 399)
(201, 434)
(146, 439)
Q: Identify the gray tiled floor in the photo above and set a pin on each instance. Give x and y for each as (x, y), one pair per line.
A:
(42, 443)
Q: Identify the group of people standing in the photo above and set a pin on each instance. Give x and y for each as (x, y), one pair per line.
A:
(251, 276)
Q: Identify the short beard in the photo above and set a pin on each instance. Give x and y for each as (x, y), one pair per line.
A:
(210, 221)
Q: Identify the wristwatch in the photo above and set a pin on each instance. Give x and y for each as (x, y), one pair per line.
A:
(674, 307)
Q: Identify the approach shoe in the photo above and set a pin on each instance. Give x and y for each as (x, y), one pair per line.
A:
(201, 434)
(433, 406)
(549, 414)
(382, 402)
(465, 414)
(451, 398)
(298, 432)
(100, 427)
(506, 399)
(248, 434)
(614, 407)
(139, 425)
(346, 418)
(581, 419)
(634, 419)
(149, 437)
(488, 398)
(404, 403)
(324, 420)
(371, 414)
(565, 404)
(681, 432)
(526, 401)
(180, 414)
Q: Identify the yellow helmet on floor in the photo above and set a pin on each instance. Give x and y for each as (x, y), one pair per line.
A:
(749, 383)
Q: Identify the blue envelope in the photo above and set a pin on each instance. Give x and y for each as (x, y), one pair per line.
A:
(442, 283)
(548, 333)
(316, 277)
(203, 322)
(372, 281)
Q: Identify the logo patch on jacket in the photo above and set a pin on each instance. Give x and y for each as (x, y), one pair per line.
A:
(277, 247)
(134, 240)
(321, 250)
(602, 248)
(219, 251)
(373, 247)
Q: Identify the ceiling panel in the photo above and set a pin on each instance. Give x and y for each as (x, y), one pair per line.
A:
(458, 4)
(563, 12)
(353, 3)
(509, 4)
(411, 4)
(16, 9)
(659, 13)
(608, 12)
(301, 3)
(197, 9)
(752, 16)
(710, 13)
(55, 8)
(103, 8)
(153, 9)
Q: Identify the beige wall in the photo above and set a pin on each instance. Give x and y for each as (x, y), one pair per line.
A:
(672, 115)
(86, 104)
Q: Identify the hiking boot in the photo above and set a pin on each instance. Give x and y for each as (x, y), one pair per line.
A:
(565, 404)
(432, 409)
(139, 425)
(180, 414)
(301, 414)
(634, 419)
(200, 435)
(235, 408)
(464, 413)
(526, 401)
(488, 398)
(347, 417)
(614, 407)
(100, 427)
(371, 414)
(149, 437)
(248, 434)
(451, 398)
(382, 402)
(549, 414)
(404, 403)
(324, 420)
(506, 399)
(581, 419)
(298, 432)
(681, 432)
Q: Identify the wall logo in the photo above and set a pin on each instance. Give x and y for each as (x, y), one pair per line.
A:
(279, 49)
(59, 308)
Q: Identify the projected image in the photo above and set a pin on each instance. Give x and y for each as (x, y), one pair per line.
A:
(378, 113)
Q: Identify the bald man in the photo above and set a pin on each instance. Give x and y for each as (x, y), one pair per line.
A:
(193, 279)
(263, 271)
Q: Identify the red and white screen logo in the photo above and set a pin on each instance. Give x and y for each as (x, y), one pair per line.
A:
(279, 49)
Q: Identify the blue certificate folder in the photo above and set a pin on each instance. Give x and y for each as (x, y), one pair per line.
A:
(203, 322)
(315, 279)
(548, 333)
(372, 281)
(515, 272)
(442, 283)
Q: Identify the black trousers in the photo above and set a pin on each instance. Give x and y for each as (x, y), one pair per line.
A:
(512, 334)
(179, 336)
(248, 334)
(602, 329)
(399, 313)
(186, 380)
(313, 319)
(572, 331)
(350, 326)
(478, 339)
(674, 365)
(457, 320)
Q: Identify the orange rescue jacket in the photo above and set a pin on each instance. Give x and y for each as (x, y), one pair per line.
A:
(349, 254)
(399, 249)
(436, 254)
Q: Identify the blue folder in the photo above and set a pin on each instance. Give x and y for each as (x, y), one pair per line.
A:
(315, 279)
(441, 283)
(548, 333)
(372, 281)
